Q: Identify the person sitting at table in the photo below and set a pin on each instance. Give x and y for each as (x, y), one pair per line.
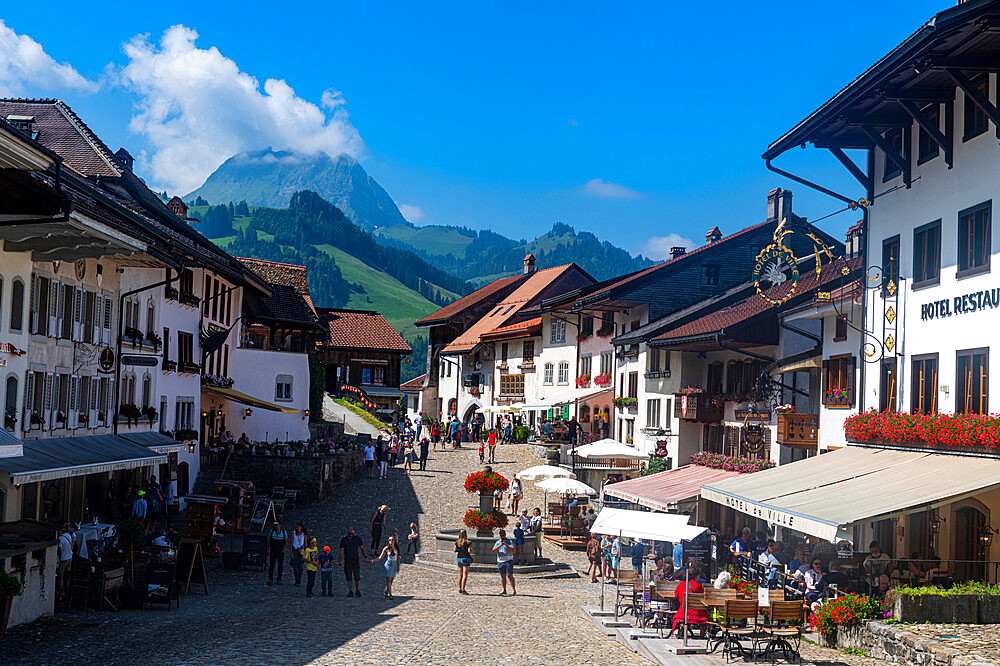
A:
(244, 440)
(798, 561)
(664, 570)
(814, 581)
(835, 578)
(695, 616)
(883, 587)
(742, 543)
(876, 564)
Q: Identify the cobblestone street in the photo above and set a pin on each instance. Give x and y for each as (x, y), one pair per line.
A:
(244, 621)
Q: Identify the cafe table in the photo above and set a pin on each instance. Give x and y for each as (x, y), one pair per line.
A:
(91, 532)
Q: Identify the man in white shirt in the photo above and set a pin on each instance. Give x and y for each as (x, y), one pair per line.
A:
(504, 549)
(65, 562)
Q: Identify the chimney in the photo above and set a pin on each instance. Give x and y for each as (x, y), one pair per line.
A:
(779, 204)
(713, 235)
(125, 158)
(676, 251)
(529, 264)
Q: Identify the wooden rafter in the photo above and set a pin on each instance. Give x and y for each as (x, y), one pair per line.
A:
(943, 141)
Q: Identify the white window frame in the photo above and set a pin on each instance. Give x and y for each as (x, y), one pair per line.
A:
(564, 372)
(283, 388)
(653, 413)
(557, 332)
(547, 375)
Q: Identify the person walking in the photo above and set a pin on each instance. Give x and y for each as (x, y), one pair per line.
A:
(408, 456)
(482, 453)
(594, 557)
(413, 540)
(435, 434)
(391, 567)
(516, 493)
(505, 562)
(277, 541)
(393, 452)
(492, 441)
(311, 557)
(139, 507)
(326, 572)
(350, 547)
(298, 546)
(455, 428)
(463, 556)
(377, 524)
(382, 454)
(424, 446)
(370, 459)
(535, 527)
(65, 554)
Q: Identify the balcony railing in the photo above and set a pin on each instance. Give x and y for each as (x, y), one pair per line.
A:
(629, 465)
(700, 407)
(798, 430)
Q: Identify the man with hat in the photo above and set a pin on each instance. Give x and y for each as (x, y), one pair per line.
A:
(139, 506)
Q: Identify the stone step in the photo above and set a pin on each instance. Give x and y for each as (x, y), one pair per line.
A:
(629, 636)
(662, 651)
(609, 626)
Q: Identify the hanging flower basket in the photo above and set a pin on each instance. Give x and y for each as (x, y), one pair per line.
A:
(485, 482)
(478, 520)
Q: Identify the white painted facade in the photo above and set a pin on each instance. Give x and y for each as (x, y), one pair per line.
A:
(938, 193)
(15, 313)
(257, 372)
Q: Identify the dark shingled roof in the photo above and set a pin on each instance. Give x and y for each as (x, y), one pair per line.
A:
(478, 296)
(284, 304)
(275, 272)
(361, 329)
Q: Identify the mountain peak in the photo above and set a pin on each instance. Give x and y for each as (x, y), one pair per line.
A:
(269, 177)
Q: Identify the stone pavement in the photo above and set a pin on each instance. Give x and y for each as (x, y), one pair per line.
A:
(244, 621)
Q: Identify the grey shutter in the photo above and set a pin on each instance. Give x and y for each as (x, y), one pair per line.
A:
(106, 337)
(29, 396)
(851, 379)
(97, 318)
(77, 314)
(55, 307)
(35, 295)
(48, 413)
(825, 384)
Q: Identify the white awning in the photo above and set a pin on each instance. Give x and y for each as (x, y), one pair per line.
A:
(671, 527)
(564, 396)
(826, 495)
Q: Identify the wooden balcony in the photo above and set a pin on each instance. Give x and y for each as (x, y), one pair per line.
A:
(699, 407)
(798, 430)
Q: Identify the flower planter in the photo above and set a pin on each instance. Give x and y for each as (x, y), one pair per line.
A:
(800, 430)
(937, 608)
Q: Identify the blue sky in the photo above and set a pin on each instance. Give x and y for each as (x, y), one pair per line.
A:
(634, 121)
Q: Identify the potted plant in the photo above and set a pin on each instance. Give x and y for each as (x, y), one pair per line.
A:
(36, 420)
(150, 412)
(155, 339)
(133, 334)
(10, 419)
(129, 535)
(230, 513)
(130, 412)
(583, 381)
(10, 587)
(603, 379)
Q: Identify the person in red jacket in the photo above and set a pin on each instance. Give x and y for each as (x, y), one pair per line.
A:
(696, 617)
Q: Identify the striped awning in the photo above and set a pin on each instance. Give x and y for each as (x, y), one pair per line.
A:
(661, 490)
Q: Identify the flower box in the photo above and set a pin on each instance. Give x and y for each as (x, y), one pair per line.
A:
(730, 463)
(583, 381)
(169, 366)
(975, 433)
(626, 402)
(170, 293)
(603, 379)
(699, 407)
(189, 368)
(606, 331)
(187, 298)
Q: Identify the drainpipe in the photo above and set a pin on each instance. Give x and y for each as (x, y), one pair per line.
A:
(118, 354)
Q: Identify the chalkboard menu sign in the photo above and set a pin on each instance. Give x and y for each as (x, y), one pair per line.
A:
(263, 510)
(190, 566)
(161, 587)
(700, 550)
(254, 550)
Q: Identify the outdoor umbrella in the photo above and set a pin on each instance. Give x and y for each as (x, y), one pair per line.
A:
(609, 448)
(543, 472)
(565, 486)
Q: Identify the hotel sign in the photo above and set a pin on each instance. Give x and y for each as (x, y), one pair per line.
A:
(812, 526)
(959, 305)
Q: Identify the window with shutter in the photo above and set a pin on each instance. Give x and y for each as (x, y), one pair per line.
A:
(72, 394)
(35, 291)
(838, 381)
(55, 298)
(106, 333)
(29, 399)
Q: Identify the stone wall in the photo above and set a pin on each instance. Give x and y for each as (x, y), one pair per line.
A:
(897, 645)
(315, 477)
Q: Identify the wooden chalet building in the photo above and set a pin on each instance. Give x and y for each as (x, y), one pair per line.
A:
(362, 354)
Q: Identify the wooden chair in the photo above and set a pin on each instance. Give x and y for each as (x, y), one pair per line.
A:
(739, 623)
(787, 622)
(695, 602)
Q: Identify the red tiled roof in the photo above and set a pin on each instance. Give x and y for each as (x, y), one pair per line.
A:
(413, 385)
(653, 269)
(361, 329)
(508, 309)
(478, 296)
(275, 272)
(521, 329)
(755, 304)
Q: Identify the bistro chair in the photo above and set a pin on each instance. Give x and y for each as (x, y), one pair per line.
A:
(695, 602)
(290, 497)
(739, 623)
(787, 620)
(278, 492)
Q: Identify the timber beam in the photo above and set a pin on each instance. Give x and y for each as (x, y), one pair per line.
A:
(944, 141)
(890, 152)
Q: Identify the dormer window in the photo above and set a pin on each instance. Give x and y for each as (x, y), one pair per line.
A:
(24, 124)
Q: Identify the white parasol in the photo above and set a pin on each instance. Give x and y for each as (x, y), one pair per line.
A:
(608, 448)
(543, 472)
(566, 486)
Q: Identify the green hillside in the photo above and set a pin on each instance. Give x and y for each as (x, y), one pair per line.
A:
(432, 240)
(383, 293)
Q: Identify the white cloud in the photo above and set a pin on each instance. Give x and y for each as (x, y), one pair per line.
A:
(411, 213)
(197, 109)
(598, 187)
(658, 247)
(25, 66)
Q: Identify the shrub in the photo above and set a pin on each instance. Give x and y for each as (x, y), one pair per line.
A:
(844, 611)
(10, 586)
